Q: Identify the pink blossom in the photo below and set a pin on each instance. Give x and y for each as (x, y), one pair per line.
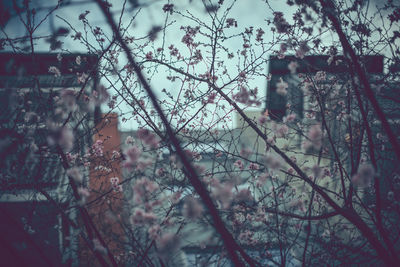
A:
(289, 118)
(244, 195)
(160, 172)
(168, 8)
(140, 217)
(211, 97)
(192, 209)
(254, 166)
(129, 140)
(282, 26)
(293, 67)
(97, 148)
(281, 87)
(218, 153)
(315, 137)
(317, 171)
(100, 95)
(272, 162)
(82, 16)
(154, 231)
(149, 55)
(115, 155)
(114, 180)
(142, 164)
(55, 71)
(176, 197)
(68, 99)
(223, 193)
(302, 50)
(82, 77)
(320, 76)
(245, 152)
(231, 22)
(261, 179)
(84, 194)
(238, 164)
(262, 119)
(260, 33)
(66, 139)
(142, 188)
(243, 96)
(75, 174)
(148, 138)
(364, 175)
(281, 131)
(132, 155)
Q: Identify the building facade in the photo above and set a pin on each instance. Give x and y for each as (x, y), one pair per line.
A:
(38, 94)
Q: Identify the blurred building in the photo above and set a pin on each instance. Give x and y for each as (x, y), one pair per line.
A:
(36, 227)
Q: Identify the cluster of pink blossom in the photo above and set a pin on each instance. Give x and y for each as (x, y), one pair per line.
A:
(320, 76)
(239, 164)
(272, 162)
(222, 192)
(66, 139)
(289, 118)
(281, 130)
(160, 172)
(293, 65)
(82, 77)
(247, 237)
(97, 148)
(193, 155)
(262, 178)
(141, 217)
(247, 97)
(75, 173)
(302, 50)
(154, 231)
(83, 194)
(192, 209)
(187, 39)
(231, 22)
(281, 25)
(115, 184)
(55, 71)
(364, 175)
(100, 96)
(132, 155)
(148, 138)
(260, 34)
(142, 188)
(314, 138)
(244, 195)
(254, 166)
(68, 100)
(168, 8)
(281, 87)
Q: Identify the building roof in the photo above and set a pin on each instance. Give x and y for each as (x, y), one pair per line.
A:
(22, 70)
(314, 63)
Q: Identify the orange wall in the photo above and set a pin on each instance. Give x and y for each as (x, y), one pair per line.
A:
(105, 207)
